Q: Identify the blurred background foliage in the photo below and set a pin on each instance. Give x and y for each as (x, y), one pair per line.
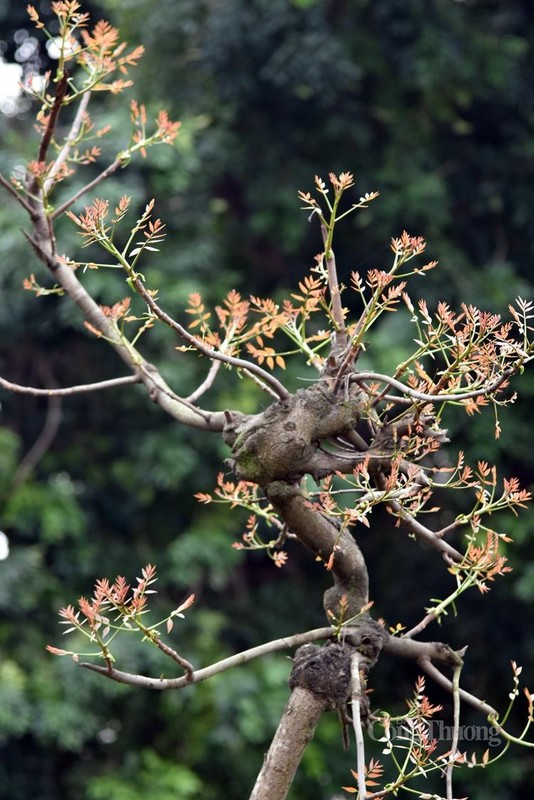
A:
(429, 103)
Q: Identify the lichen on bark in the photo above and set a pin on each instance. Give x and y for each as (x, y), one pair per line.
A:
(279, 443)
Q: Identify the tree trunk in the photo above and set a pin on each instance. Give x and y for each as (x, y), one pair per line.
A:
(295, 730)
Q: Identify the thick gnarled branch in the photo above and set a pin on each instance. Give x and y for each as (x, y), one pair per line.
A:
(338, 548)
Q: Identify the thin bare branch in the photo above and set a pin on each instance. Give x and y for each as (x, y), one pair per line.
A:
(158, 389)
(42, 443)
(357, 692)
(18, 197)
(437, 398)
(456, 731)
(206, 384)
(401, 647)
(263, 386)
(335, 293)
(69, 141)
(442, 680)
(417, 629)
(70, 390)
(113, 167)
(422, 532)
(377, 496)
(392, 398)
(448, 552)
(180, 660)
(199, 675)
(448, 529)
(61, 91)
(209, 352)
(348, 361)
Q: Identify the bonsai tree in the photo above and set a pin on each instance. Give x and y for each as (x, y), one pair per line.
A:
(315, 461)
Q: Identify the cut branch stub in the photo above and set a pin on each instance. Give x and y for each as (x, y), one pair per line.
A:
(280, 442)
(320, 681)
(325, 671)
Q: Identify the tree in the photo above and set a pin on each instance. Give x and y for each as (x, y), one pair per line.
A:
(317, 461)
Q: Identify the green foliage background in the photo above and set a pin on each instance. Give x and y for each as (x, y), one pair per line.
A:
(431, 104)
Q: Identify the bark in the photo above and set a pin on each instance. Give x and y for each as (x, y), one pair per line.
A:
(295, 730)
(279, 443)
(320, 681)
(43, 242)
(350, 592)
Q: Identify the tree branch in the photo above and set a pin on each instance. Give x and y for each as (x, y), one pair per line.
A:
(48, 432)
(454, 752)
(206, 384)
(448, 552)
(70, 139)
(158, 389)
(209, 352)
(61, 91)
(335, 293)
(446, 683)
(70, 390)
(113, 167)
(357, 692)
(335, 547)
(162, 684)
(18, 197)
(417, 629)
(424, 654)
(401, 647)
(437, 398)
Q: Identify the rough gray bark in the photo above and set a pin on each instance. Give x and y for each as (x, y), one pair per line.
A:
(320, 681)
(295, 730)
(280, 443)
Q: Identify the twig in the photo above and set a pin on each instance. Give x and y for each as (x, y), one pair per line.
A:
(357, 723)
(263, 386)
(427, 665)
(18, 197)
(422, 532)
(377, 496)
(206, 384)
(435, 398)
(353, 438)
(42, 443)
(180, 660)
(46, 138)
(448, 529)
(456, 730)
(392, 398)
(424, 654)
(199, 675)
(113, 167)
(333, 287)
(158, 390)
(416, 630)
(70, 390)
(207, 351)
(70, 139)
(350, 359)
